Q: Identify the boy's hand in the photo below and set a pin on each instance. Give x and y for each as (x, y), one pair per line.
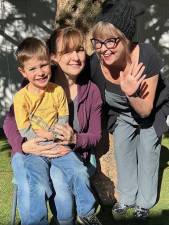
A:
(44, 134)
(34, 147)
(65, 134)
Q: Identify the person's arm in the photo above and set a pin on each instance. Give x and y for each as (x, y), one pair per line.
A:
(10, 128)
(11, 131)
(22, 116)
(62, 110)
(93, 135)
(35, 147)
(19, 144)
(144, 77)
(144, 102)
(23, 120)
(139, 90)
(42, 133)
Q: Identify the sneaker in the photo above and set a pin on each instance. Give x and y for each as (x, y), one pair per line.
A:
(120, 209)
(90, 220)
(141, 213)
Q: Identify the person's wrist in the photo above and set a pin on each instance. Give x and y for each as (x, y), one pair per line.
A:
(49, 136)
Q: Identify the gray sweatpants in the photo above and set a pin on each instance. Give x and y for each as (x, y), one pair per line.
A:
(137, 153)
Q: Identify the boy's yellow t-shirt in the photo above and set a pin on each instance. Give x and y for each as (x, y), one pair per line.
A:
(37, 111)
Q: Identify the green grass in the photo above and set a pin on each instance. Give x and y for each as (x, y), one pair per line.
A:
(159, 214)
(5, 182)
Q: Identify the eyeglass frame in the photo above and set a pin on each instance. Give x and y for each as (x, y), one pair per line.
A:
(116, 39)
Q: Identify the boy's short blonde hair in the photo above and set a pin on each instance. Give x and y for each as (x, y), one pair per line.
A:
(31, 47)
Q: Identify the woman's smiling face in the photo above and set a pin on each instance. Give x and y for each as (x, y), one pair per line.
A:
(71, 62)
(70, 53)
(112, 44)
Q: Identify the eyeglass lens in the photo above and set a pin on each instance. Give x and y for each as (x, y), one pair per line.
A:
(109, 43)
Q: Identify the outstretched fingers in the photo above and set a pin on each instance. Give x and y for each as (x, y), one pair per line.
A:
(132, 68)
(138, 72)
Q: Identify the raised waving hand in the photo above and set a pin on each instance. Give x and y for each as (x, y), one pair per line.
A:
(131, 81)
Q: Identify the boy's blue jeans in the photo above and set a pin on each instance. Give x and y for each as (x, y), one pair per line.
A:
(33, 188)
(70, 178)
(34, 176)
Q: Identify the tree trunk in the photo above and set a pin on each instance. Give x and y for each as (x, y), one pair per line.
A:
(105, 179)
(79, 13)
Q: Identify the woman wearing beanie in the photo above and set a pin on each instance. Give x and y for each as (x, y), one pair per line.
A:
(135, 99)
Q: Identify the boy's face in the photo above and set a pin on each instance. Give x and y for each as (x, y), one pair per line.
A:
(37, 71)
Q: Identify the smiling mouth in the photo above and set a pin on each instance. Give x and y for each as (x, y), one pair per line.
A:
(42, 78)
(106, 54)
(75, 65)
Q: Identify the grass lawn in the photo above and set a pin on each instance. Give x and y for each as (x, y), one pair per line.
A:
(159, 214)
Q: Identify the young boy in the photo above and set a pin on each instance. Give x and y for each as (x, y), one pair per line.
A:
(40, 104)
(38, 107)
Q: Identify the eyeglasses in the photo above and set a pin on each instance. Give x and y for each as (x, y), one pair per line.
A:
(109, 43)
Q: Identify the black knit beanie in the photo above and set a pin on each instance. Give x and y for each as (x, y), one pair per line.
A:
(121, 14)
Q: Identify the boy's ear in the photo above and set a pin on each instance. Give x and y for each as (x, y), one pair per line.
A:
(22, 71)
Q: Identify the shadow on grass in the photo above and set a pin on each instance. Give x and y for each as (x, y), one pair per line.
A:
(106, 218)
(164, 159)
(4, 146)
(2, 135)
